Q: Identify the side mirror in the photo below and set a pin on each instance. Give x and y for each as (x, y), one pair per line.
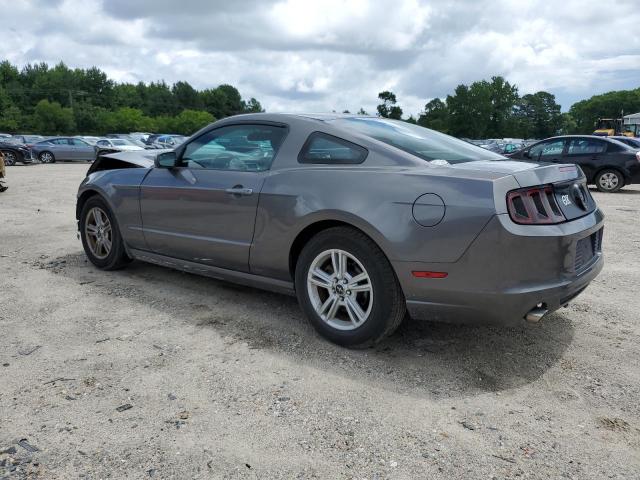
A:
(166, 160)
(526, 154)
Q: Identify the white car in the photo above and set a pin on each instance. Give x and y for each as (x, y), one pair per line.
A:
(121, 144)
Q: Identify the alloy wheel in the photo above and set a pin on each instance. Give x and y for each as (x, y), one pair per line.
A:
(46, 157)
(609, 181)
(98, 233)
(9, 158)
(340, 289)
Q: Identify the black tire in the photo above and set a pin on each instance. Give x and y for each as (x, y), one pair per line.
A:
(388, 308)
(46, 157)
(10, 158)
(609, 180)
(117, 257)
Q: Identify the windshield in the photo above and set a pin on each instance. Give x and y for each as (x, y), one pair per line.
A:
(421, 142)
(121, 141)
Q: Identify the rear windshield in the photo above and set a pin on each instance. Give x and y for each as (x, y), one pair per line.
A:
(427, 144)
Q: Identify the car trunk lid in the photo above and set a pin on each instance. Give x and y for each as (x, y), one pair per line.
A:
(569, 184)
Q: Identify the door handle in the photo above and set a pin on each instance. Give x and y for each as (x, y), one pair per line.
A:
(239, 190)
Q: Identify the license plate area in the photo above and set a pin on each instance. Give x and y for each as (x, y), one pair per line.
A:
(586, 250)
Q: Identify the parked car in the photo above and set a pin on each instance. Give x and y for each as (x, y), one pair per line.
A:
(168, 141)
(14, 152)
(139, 136)
(26, 139)
(631, 141)
(63, 148)
(363, 218)
(120, 144)
(91, 140)
(511, 147)
(607, 164)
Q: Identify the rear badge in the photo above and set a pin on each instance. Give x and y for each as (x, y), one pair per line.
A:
(565, 200)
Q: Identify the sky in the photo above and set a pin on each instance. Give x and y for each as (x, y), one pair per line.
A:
(319, 56)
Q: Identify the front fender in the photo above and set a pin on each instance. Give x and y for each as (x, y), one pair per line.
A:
(121, 190)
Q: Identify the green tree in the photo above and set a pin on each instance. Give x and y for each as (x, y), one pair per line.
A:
(568, 125)
(388, 107)
(608, 105)
(537, 116)
(50, 118)
(190, 121)
(435, 116)
(252, 106)
(186, 96)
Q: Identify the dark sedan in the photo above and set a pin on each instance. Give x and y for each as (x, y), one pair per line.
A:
(631, 141)
(14, 152)
(608, 164)
(363, 218)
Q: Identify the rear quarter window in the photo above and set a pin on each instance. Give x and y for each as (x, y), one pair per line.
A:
(322, 148)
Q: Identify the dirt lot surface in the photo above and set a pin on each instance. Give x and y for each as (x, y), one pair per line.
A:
(153, 373)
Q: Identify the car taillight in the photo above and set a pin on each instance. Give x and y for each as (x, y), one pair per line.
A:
(534, 206)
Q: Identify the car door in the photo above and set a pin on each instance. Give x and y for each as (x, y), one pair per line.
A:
(203, 209)
(66, 149)
(82, 150)
(551, 150)
(587, 153)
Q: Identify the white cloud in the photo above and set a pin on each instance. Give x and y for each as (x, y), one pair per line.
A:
(327, 55)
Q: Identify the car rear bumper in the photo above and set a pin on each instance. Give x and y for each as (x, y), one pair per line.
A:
(507, 271)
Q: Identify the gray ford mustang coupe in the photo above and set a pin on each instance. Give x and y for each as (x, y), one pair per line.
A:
(363, 218)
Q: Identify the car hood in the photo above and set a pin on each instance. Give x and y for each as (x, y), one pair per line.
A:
(127, 148)
(140, 158)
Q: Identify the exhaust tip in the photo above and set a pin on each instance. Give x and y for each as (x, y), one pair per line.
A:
(535, 314)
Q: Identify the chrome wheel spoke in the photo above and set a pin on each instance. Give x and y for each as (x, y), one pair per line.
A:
(356, 314)
(338, 262)
(329, 307)
(320, 278)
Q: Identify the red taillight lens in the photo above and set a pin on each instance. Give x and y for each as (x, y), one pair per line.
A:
(534, 206)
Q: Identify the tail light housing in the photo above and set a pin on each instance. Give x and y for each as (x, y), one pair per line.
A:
(534, 206)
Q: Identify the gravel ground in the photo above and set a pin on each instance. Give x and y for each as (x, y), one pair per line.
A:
(153, 373)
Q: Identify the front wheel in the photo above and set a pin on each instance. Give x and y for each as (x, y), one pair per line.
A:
(100, 236)
(348, 289)
(9, 158)
(609, 181)
(46, 157)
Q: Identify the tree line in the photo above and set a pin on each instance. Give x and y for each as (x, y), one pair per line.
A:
(494, 109)
(60, 100)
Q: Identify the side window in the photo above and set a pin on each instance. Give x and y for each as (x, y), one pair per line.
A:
(102, 143)
(321, 148)
(235, 147)
(612, 147)
(60, 141)
(585, 146)
(79, 143)
(553, 147)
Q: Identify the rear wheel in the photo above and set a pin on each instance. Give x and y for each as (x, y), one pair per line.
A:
(9, 158)
(348, 289)
(46, 157)
(100, 236)
(609, 181)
